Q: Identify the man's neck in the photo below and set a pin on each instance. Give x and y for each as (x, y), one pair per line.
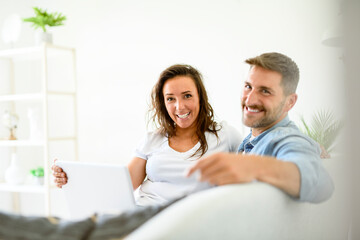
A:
(257, 131)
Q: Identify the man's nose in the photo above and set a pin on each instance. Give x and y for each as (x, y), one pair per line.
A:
(251, 98)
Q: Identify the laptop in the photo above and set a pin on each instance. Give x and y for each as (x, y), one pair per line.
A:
(96, 188)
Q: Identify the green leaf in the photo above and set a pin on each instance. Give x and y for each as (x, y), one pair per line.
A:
(38, 172)
(324, 128)
(43, 18)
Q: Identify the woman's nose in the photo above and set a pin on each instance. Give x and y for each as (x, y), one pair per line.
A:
(179, 105)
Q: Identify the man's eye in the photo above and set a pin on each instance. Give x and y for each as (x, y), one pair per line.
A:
(265, 91)
(247, 86)
(188, 96)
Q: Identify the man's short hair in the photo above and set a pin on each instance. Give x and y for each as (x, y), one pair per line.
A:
(282, 64)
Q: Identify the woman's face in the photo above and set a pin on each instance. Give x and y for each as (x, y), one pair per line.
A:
(182, 101)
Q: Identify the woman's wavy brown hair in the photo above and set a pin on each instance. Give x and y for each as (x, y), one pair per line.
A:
(160, 116)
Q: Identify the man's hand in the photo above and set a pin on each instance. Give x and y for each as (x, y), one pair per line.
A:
(225, 168)
(230, 168)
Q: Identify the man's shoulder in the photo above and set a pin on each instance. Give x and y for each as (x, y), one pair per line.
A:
(283, 141)
(289, 133)
(288, 129)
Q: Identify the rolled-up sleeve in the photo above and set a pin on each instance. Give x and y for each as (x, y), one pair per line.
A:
(316, 184)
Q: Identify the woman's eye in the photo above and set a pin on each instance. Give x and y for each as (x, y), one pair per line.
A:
(188, 96)
(169, 99)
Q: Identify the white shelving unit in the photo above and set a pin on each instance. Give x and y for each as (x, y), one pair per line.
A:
(42, 54)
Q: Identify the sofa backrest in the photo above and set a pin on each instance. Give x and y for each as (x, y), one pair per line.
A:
(255, 211)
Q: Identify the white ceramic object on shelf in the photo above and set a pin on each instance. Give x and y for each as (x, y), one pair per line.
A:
(14, 173)
(37, 180)
(34, 122)
(43, 37)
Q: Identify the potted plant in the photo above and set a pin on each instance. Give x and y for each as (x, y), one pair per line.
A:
(324, 129)
(43, 19)
(38, 175)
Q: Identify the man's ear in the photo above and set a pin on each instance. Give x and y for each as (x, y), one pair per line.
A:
(291, 100)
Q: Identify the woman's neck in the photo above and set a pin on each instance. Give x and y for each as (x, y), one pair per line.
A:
(184, 139)
(185, 132)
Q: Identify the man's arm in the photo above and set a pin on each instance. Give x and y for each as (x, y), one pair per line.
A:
(229, 168)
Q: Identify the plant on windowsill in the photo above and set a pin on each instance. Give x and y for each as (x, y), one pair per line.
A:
(43, 19)
(38, 175)
(324, 129)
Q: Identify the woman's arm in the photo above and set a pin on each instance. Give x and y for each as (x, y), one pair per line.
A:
(137, 171)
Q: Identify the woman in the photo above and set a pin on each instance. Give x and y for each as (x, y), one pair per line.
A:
(186, 131)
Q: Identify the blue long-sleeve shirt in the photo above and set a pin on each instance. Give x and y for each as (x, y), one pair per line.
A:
(285, 142)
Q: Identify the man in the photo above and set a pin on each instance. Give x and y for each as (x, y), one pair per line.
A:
(275, 151)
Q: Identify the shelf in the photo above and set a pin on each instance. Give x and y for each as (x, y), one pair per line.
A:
(19, 143)
(32, 96)
(62, 138)
(29, 143)
(46, 58)
(20, 97)
(29, 53)
(5, 187)
(34, 52)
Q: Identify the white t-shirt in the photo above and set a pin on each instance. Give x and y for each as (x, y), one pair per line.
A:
(165, 167)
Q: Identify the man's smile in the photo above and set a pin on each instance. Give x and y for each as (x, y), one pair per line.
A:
(252, 110)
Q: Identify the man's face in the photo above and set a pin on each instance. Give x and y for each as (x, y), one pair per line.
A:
(263, 101)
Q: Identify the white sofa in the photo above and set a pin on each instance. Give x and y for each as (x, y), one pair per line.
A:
(255, 211)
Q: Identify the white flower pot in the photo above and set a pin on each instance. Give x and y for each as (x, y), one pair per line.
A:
(38, 180)
(43, 37)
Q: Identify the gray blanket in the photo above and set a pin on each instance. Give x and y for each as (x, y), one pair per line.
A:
(96, 227)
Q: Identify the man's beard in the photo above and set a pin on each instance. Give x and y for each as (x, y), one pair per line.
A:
(270, 115)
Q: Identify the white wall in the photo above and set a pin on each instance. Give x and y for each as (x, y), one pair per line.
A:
(122, 46)
(137, 41)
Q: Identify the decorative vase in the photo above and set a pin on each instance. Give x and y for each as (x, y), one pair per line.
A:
(34, 123)
(14, 174)
(43, 37)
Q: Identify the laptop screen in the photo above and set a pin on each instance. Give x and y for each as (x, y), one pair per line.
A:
(97, 188)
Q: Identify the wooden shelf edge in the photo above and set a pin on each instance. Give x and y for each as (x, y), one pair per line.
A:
(20, 97)
(11, 53)
(18, 143)
(22, 188)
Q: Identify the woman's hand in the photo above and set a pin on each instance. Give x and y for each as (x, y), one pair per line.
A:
(59, 174)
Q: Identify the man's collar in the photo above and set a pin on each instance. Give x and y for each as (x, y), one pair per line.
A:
(285, 121)
(255, 140)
